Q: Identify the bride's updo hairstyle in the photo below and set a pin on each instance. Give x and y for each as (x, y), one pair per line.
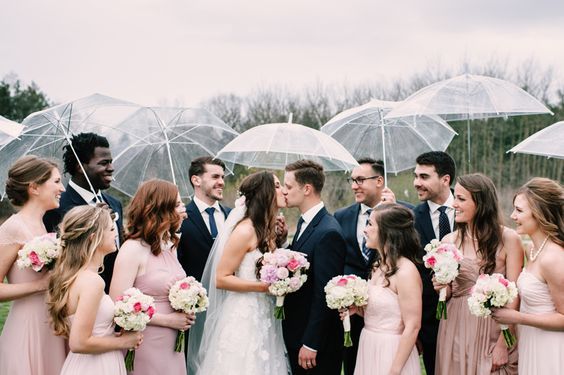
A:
(25, 171)
(82, 231)
(260, 198)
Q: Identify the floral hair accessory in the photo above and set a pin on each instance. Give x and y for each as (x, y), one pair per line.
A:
(240, 202)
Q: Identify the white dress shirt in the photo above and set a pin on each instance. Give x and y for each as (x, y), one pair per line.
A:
(218, 214)
(361, 223)
(434, 211)
(308, 217)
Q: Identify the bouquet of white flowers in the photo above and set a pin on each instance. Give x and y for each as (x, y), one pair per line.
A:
(444, 259)
(342, 292)
(492, 291)
(284, 271)
(189, 296)
(39, 252)
(132, 311)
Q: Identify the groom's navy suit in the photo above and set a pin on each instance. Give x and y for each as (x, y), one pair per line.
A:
(196, 241)
(357, 265)
(308, 320)
(429, 324)
(71, 199)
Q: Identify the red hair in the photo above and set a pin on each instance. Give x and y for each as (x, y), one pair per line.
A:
(152, 215)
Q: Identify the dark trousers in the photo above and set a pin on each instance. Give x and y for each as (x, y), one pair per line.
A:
(328, 363)
(349, 357)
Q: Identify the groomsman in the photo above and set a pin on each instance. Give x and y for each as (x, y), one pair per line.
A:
(205, 215)
(312, 332)
(367, 184)
(95, 156)
(434, 218)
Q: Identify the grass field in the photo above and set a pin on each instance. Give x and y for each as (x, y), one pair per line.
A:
(4, 308)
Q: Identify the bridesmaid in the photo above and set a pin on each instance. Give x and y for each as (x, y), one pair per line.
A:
(27, 345)
(468, 344)
(539, 213)
(147, 261)
(392, 317)
(79, 308)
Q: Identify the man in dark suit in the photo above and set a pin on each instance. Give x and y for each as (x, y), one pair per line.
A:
(434, 217)
(312, 332)
(205, 215)
(367, 183)
(92, 174)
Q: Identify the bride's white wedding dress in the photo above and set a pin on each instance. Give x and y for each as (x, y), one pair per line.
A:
(246, 338)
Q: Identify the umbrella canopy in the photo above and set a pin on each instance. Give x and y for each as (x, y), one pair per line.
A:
(545, 142)
(46, 132)
(9, 130)
(273, 146)
(469, 97)
(163, 143)
(365, 132)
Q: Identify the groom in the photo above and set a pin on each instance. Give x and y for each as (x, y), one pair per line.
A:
(312, 332)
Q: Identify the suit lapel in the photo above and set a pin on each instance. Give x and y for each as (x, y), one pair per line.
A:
(196, 217)
(74, 197)
(351, 225)
(310, 228)
(427, 224)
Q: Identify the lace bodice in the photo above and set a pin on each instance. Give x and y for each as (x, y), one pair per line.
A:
(248, 266)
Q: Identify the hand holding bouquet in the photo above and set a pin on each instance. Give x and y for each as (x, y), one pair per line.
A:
(39, 252)
(189, 296)
(492, 291)
(342, 292)
(444, 259)
(132, 311)
(284, 271)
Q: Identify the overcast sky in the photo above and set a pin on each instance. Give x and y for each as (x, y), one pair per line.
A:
(184, 51)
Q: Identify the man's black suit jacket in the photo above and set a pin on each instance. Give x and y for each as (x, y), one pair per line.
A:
(429, 324)
(70, 199)
(195, 241)
(308, 319)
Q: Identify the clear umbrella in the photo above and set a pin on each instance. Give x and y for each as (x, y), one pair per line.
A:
(469, 97)
(547, 142)
(365, 132)
(46, 132)
(9, 130)
(162, 144)
(273, 146)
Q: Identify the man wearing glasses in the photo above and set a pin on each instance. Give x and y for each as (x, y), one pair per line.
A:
(367, 184)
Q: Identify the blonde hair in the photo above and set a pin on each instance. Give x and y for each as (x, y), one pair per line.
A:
(82, 231)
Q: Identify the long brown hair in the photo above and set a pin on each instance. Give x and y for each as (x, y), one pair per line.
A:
(487, 222)
(546, 199)
(397, 237)
(152, 216)
(260, 198)
(82, 231)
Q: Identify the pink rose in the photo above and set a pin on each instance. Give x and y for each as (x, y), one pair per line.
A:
(184, 285)
(137, 307)
(503, 281)
(34, 258)
(342, 282)
(432, 261)
(150, 311)
(293, 265)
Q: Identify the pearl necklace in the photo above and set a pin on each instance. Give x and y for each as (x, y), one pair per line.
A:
(533, 256)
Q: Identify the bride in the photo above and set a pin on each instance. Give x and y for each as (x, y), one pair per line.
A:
(238, 334)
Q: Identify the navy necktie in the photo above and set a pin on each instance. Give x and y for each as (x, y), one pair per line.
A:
(298, 229)
(366, 252)
(213, 226)
(444, 224)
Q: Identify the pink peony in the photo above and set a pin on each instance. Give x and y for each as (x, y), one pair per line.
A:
(34, 258)
(432, 261)
(184, 286)
(150, 311)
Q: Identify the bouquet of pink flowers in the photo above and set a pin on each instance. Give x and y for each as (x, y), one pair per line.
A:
(189, 296)
(342, 292)
(444, 259)
(284, 271)
(132, 311)
(39, 252)
(492, 291)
